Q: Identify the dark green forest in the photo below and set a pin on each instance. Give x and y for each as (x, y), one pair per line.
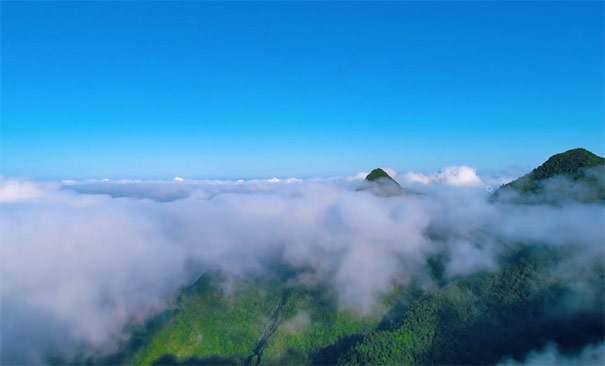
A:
(578, 166)
(377, 174)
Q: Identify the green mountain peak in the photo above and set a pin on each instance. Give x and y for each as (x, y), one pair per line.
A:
(568, 163)
(572, 164)
(377, 174)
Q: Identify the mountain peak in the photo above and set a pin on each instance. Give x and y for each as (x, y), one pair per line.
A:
(574, 165)
(377, 174)
(568, 163)
(381, 184)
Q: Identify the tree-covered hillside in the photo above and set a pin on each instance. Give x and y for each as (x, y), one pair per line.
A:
(484, 317)
(476, 319)
(576, 174)
(225, 319)
(377, 174)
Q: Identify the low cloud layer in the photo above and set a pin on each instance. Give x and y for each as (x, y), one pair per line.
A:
(460, 176)
(85, 259)
(593, 354)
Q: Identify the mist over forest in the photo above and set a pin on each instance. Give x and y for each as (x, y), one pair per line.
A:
(94, 260)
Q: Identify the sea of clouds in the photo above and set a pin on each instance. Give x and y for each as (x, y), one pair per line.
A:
(82, 260)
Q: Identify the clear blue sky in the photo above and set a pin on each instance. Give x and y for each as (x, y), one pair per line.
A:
(152, 90)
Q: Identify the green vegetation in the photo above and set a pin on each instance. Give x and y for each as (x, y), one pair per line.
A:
(476, 319)
(381, 184)
(211, 322)
(377, 174)
(572, 164)
(482, 318)
(567, 163)
(253, 322)
(314, 323)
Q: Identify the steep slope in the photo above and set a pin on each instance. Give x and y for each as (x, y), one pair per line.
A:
(381, 184)
(575, 174)
(476, 319)
(224, 319)
(484, 318)
(377, 174)
(219, 318)
(569, 163)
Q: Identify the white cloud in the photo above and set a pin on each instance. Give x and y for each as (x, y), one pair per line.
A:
(178, 179)
(359, 176)
(411, 177)
(92, 257)
(591, 355)
(17, 190)
(391, 172)
(458, 176)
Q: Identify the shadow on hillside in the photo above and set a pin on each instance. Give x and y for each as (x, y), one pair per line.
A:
(169, 360)
(329, 355)
(140, 338)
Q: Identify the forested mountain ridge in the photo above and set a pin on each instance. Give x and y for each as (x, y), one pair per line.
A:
(477, 319)
(482, 318)
(225, 319)
(560, 175)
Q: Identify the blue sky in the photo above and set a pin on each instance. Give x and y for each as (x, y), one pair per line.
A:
(152, 90)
